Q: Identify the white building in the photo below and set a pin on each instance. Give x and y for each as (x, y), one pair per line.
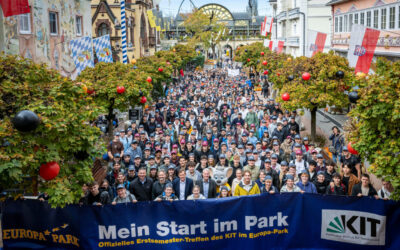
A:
(295, 17)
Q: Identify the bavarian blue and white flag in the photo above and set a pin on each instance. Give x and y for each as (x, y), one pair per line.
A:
(102, 47)
(82, 53)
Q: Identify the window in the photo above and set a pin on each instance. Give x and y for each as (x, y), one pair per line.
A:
(368, 18)
(392, 16)
(356, 18)
(350, 22)
(383, 19)
(345, 24)
(78, 21)
(294, 28)
(25, 24)
(53, 18)
(362, 18)
(376, 16)
(340, 24)
(336, 24)
(103, 29)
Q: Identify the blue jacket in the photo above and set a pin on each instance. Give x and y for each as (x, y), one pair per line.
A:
(261, 131)
(308, 188)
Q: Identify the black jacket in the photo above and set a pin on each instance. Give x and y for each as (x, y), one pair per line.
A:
(357, 190)
(212, 188)
(321, 187)
(188, 187)
(274, 175)
(141, 191)
(337, 190)
(158, 189)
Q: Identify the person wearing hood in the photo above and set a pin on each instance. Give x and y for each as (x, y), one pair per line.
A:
(305, 185)
(247, 186)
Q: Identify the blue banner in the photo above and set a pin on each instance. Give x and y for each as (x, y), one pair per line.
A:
(291, 220)
(102, 46)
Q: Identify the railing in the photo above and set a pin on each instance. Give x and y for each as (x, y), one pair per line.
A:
(281, 15)
(293, 13)
(293, 40)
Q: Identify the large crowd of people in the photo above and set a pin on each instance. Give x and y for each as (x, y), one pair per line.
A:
(213, 136)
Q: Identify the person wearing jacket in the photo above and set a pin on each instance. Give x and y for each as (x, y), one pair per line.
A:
(182, 186)
(159, 185)
(141, 186)
(254, 170)
(348, 179)
(336, 186)
(168, 194)
(268, 187)
(305, 185)
(251, 118)
(364, 188)
(246, 186)
(271, 172)
(289, 187)
(321, 184)
(208, 187)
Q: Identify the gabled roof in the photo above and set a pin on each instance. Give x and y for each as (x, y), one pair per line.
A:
(104, 4)
(333, 2)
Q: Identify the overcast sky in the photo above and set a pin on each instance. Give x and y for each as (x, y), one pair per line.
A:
(170, 7)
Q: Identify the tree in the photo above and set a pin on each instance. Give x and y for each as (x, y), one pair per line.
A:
(104, 79)
(324, 87)
(204, 29)
(375, 122)
(64, 134)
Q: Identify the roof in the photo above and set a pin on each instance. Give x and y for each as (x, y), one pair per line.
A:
(108, 10)
(241, 16)
(333, 2)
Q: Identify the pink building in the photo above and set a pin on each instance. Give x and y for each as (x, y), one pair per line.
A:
(376, 14)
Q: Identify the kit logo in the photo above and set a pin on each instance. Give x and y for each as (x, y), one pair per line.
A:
(353, 227)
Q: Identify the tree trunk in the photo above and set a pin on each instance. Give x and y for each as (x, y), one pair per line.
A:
(313, 123)
(213, 51)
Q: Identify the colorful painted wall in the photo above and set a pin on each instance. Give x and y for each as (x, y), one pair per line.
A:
(39, 44)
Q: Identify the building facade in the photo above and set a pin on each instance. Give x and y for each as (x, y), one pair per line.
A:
(375, 14)
(141, 38)
(293, 19)
(44, 34)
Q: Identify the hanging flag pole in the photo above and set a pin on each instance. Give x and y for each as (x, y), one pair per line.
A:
(123, 33)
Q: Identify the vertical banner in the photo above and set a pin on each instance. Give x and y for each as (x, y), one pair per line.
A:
(123, 33)
(82, 53)
(102, 47)
(268, 25)
(362, 46)
(268, 43)
(277, 46)
(315, 43)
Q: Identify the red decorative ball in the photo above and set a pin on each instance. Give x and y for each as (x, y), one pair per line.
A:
(49, 170)
(278, 74)
(90, 91)
(143, 100)
(351, 149)
(266, 72)
(149, 79)
(285, 97)
(160, 70)
(306, 76)
(262, 53)
(248, 59)
(265, 63)
(120, 89)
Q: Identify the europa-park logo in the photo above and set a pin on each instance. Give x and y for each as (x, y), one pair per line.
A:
(353, 227)
(57, 235)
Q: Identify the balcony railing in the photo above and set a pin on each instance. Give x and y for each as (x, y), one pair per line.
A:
(294, 41)
(281, 16)
(294, 13)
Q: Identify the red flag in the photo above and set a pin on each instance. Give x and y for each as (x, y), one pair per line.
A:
(316, 42)
(362, 46)
(14, 7)
(181, 72)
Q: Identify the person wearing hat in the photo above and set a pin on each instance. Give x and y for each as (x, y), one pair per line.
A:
(278, 132)
(123, 196)
(131, 173)
(134, 150)
(300, 163)
(247, 186)
(336, 186)
(251, 117)
(320, 163)
(286, 146)
(272, 125)
(223, 192)
(252, 168)
(203, 151)
(293, 124)
(304, 184)
(115, 147)
(159, 184)
(168, 194)
(352, 161)
(321, 184)
(267, 167)
(268, 187)
(290, 187)
(282, 174)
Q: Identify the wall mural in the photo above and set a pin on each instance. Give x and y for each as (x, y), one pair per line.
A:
(40, 45)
